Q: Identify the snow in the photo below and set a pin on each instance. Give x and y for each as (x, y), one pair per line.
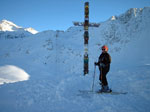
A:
(31, 30)
(51, 65)
(6, 25)
(11, 74)
(10, 30)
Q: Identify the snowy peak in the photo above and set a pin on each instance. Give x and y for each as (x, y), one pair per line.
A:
(6, 25)
(134, 12)
(113, 18)
(131, 14)
(31, 30)
(9, 30)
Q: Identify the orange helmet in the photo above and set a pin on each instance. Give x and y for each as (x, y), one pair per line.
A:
(105, 48)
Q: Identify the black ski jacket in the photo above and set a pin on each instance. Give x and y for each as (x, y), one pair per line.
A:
(105, 59)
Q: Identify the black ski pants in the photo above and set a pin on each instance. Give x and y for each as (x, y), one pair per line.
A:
(102, 76)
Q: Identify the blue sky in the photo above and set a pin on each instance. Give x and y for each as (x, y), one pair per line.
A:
(59, 14)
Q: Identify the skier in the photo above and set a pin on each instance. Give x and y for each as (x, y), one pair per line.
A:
(104, 66)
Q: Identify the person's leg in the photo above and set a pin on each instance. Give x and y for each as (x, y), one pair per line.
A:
(103, 79)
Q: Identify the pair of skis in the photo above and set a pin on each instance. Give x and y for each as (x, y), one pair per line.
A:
(82, 92)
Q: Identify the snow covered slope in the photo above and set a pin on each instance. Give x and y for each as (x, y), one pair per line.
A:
(53, 62)
(10, 30)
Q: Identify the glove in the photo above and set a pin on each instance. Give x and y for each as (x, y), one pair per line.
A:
(95, 63)
(102, 65)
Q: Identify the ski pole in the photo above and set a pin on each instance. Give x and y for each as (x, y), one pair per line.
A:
(93, 78)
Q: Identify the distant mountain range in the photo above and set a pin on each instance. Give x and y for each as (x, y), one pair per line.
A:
(10, 30)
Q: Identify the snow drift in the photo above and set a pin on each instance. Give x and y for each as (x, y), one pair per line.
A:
(11, 74)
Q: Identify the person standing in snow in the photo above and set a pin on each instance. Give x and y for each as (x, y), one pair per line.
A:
(104, 66)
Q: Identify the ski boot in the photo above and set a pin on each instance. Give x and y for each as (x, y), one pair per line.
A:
(105, 89)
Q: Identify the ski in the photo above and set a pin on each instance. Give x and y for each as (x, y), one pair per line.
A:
(112, 92)
(82, 92)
